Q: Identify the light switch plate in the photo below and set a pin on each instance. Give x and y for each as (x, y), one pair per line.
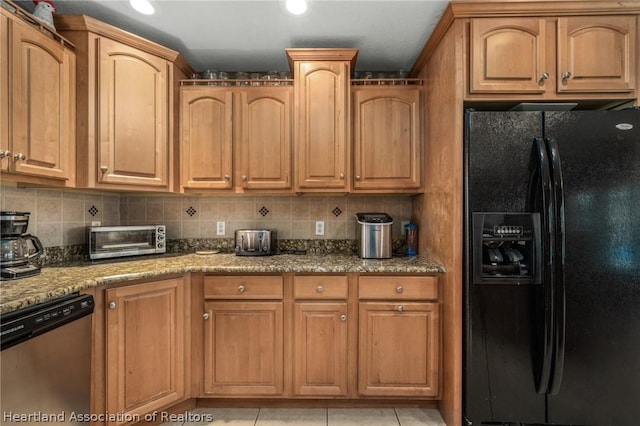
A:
(319, 227)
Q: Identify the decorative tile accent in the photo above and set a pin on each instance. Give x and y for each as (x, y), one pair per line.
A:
(93, 211)
(336, 212)
(191, 211)
(263, 211)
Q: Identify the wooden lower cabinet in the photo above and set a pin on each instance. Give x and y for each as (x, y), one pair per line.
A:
(399, 349)
(144, 346)
(398, 336)
(320, 336)
(243, 335)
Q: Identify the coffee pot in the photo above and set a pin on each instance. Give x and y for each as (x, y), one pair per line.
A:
(17, 249)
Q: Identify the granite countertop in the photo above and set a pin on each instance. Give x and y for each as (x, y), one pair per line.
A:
(56, 281)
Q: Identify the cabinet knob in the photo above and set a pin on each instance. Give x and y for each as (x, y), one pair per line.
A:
(227, 177)
(244, 178)
(543, 77)
(358, 177)
(241, 288)
(19, 156)
(320, 288)
(341, 175)
(205, 316)
(343, 317)
(112, 305)
(567, 75)
(399, 289)
(400, 308)
(4, 154)
(104, 169)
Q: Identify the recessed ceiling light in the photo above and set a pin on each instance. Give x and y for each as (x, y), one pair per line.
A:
(296, 7)
(142, 6)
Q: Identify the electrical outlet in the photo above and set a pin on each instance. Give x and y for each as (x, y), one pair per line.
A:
(319, 227)
(220, 228)
(96, 223)
(403, 223)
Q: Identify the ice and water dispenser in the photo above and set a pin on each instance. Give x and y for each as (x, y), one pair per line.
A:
(506, 248)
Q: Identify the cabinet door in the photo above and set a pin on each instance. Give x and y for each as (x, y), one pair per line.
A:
(320, 349)
(133, 131)
(508, 56)
(243, 348)
(597, 54)
(206, 137)
(41, 90)
(321, 126)
(264, 142)
(387, 134)
(145, 346)
(5, 148)
(399, 349)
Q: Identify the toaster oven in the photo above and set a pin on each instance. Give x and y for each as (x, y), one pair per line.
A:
(116, 241)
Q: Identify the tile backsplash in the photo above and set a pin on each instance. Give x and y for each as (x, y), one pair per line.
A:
(59, 217)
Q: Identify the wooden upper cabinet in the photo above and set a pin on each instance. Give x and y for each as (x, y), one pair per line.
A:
(38, 105)
(387, 138)
(322, 119)
(206, 138)
(597, 53)
(264, 141)
(508, 55)
(236, 138)
(550, 58)
(126, 112)
(133, 134)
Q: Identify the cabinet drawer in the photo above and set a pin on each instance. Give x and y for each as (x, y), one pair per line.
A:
(397, 287)
(320, 287)
(243, 287)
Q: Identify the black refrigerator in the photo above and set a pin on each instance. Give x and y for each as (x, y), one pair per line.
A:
(552, 268)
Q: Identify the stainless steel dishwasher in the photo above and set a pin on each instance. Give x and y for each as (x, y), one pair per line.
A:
(46, 362)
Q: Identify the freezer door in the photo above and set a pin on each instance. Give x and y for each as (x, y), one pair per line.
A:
(600, 156)
(501, 351)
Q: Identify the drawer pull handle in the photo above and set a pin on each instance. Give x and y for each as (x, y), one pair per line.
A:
(399, 289)
(343, 317)
(241, 288)
(543, 77)
(400, 308)
(205, 316)
(112, 305)
(4, 154)
(567, 75)
(19, 157)
(320, 289)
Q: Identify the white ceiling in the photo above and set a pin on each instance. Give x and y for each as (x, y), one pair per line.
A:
(244, 35)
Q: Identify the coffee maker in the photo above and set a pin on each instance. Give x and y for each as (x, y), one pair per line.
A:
(18, 249)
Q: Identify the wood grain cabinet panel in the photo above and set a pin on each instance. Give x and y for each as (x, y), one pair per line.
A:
(508, 55)
(387, 138)
(243, 348)
(145, 346)
(552, 57)
(399, 349)
(236, 138)
(38, 104)
(322, 119)
(320, 349)
(597, 54)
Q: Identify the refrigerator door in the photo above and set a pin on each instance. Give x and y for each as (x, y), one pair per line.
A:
(600, 156)
(500, 349)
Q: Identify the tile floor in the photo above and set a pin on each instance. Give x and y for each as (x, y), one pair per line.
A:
(310, 417)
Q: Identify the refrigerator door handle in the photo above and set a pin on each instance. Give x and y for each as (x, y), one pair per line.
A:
(559, 265)
(541, 200)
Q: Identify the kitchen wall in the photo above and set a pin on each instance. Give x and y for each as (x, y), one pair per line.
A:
(60, 216)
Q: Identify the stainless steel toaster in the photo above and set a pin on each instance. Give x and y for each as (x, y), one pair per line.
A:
(255, 242)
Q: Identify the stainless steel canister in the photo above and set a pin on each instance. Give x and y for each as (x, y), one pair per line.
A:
(373, 235)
